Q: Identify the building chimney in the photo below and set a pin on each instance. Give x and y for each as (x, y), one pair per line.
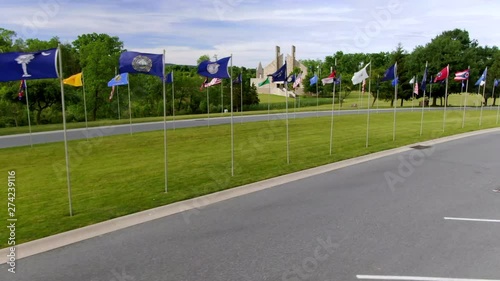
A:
(278, 58)
(293, 57)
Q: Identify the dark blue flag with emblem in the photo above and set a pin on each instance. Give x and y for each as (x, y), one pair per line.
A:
(280, 75)
(424, 80)
(28, 66)
(238, 79)
(214, 69)
(134, 62)
(338, 80)
(170, 78)
(390, 73)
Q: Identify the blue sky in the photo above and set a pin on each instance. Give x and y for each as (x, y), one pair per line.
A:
(250, 29)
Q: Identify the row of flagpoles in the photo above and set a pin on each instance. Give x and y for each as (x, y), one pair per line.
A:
(43, 64)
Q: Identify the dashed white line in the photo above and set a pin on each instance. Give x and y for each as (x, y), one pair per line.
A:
(470, 219)
(416, 278)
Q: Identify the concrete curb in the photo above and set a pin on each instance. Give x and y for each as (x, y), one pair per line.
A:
(73, 236)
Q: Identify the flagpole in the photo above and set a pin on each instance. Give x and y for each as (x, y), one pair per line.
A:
(85, 105)
(287, 132)
(430, 93)
(465, 104)
(165, 147)
(232, 123)
(378, 89)
(413, 93)
(317, 94)
(129, 107)
(340, 96)
(173, 101)
(498, 106)
(395, 100)
(482, 102)
(368, 99)
(241, 96)
(222, 95)
(208, 107)
(333, 109)
(423, 101)
(446, 98)
(269, 103)
(66, 153)
(117, 97)
(28, 110)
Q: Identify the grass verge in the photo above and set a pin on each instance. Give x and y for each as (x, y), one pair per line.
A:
(118, 175)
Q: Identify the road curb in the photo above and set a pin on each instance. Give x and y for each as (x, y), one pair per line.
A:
(77, 235)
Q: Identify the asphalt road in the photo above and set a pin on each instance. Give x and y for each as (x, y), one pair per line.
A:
(75, 134)
(384, 217)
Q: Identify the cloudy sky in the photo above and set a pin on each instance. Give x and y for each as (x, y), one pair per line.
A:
(250, 29)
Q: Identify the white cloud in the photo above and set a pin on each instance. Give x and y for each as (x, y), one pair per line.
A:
(250, 28)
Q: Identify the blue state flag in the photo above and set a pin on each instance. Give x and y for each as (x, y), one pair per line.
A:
(313, 80)
(338, 80)
(238, 79)
(390, 73)
(214, 69)
(119, 80)
(134, 62)
(280, 74)
(28, 66)
(424, 80)
(170, 78)
(482, 79)
(395, 82)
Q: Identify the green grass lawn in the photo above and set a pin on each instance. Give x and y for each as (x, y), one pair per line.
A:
(305, 104)
(118, 175)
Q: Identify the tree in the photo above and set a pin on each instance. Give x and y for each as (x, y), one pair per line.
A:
(202, 58)
(97, 53)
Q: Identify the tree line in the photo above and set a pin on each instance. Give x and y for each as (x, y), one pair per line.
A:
(97, 55)
(453, 47)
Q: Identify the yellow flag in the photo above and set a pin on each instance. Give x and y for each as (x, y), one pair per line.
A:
(75, 80)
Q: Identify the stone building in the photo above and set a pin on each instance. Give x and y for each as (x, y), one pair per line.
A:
(275, 88)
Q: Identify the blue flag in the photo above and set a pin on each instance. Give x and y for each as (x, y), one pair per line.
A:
(395, 82)
(313, 80)
(118, 80)
(134, 62)
(390, 73)
(170, 78)
(280, 75)
(482, 79)
(424, 80)
(28, 66)
(291, 78)
(495, 84)
(238, 79)
(217, 69)
(337, 80)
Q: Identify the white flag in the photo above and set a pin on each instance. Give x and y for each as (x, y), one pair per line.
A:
(328, 80)
(412, 81)
(359, 76)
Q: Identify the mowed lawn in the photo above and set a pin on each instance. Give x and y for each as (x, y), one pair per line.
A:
(300, 104)
(118, 175)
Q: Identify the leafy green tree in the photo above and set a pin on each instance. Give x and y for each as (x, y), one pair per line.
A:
(97, 54)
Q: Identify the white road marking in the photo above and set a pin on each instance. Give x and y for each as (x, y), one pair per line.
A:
(416, 278)
(469, 219)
